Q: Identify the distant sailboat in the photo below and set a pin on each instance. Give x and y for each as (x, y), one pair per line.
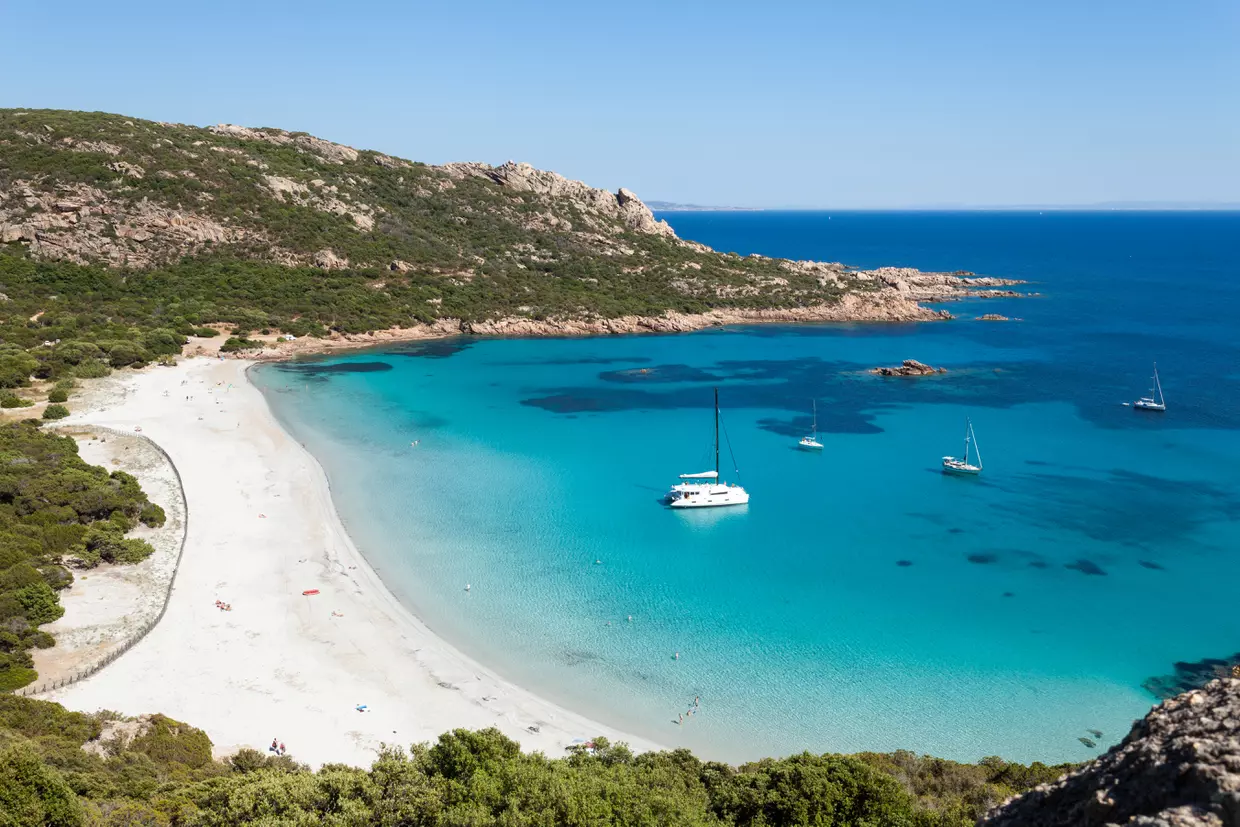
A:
(1155, 401)
(704, 490)
(962, 465)
(811, 442)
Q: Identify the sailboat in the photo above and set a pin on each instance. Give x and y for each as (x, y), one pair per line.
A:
(962, 465)
(704, 489)
(811, 442)
(1155, 401)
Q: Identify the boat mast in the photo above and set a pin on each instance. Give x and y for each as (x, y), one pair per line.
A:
(815, 418)
(716, 435)
(1157, 386)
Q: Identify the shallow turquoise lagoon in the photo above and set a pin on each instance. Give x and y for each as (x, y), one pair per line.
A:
(862, 601)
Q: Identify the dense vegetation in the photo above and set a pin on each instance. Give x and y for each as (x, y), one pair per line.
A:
(161, 773)
(55, 511)
(98, 272)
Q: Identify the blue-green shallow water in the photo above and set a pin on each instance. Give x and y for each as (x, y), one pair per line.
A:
(862, 600)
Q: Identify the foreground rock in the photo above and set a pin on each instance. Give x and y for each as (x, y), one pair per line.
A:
(910, 367)
(1178, 766)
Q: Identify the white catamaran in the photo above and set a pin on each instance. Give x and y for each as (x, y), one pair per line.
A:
(961, 465)
(811, 443)
(1155, 401)
(704, 490)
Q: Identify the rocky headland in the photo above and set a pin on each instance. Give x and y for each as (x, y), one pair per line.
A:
(1179, 767)
(266, 229)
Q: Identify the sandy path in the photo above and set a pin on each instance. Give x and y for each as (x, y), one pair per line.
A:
(262, 529)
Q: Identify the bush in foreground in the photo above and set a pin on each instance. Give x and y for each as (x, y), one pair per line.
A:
(164, 775)
(55, 412)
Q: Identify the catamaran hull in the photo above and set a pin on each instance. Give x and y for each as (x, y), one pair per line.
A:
(709, 502)
(1149, 406)
(708, 496)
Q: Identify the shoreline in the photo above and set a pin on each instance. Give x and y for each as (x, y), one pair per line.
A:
(899, 299)
(283, 664)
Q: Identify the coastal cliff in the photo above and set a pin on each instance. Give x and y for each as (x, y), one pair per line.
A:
(1179, 767)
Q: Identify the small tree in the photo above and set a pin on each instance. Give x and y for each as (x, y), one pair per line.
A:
(55, 412)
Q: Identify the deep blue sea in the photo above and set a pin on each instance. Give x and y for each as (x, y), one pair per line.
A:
(862, 600)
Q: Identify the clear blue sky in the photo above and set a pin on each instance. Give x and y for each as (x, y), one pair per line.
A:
(838, 104)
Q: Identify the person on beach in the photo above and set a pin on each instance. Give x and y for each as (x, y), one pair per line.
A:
(275, 745)
(696, 698)
(283, 749)
(680, 719)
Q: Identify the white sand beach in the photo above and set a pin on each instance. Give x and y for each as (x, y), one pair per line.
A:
(261, 531)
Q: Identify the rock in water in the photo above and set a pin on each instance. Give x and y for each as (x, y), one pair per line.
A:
(910, 367)
(1179, 767)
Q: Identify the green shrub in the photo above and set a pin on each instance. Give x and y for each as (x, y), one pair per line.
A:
(32, 793)
(15, 677)
(169, 741)
(92, 369)
(57, 395)
(163, 342)
(15, 367)
(235, 343)
(152, 515)
(205, 332)
(12, 400)
(55, 412)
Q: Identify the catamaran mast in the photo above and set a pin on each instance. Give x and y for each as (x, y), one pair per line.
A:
(716, 434)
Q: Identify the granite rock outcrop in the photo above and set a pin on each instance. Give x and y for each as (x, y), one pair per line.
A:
(1178, 767)
(910, 367)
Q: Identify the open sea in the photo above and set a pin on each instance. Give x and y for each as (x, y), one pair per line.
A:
(862, 600)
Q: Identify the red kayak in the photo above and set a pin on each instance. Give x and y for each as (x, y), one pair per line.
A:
(311, 591)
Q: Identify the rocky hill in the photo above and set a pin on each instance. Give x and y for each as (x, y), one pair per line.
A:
(1179, 767)
(121, 239)
(413, 244)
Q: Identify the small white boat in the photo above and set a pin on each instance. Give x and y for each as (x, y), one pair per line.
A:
(1155, 401)
(811, 442)
(704, 489)
(962, 465)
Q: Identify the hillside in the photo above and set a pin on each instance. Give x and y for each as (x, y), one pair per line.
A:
(1178, 766)
(67, 768)
(110, 224)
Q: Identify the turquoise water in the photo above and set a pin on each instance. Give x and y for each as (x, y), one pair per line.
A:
(862, 600)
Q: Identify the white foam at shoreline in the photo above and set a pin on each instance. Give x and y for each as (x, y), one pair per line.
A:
(262, 529)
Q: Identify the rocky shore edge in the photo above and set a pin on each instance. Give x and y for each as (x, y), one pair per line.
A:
(897, 297)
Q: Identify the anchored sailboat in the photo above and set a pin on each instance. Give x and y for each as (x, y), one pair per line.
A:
(1155, 401)
(811, 442)
(704, 490)
(962, 465)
